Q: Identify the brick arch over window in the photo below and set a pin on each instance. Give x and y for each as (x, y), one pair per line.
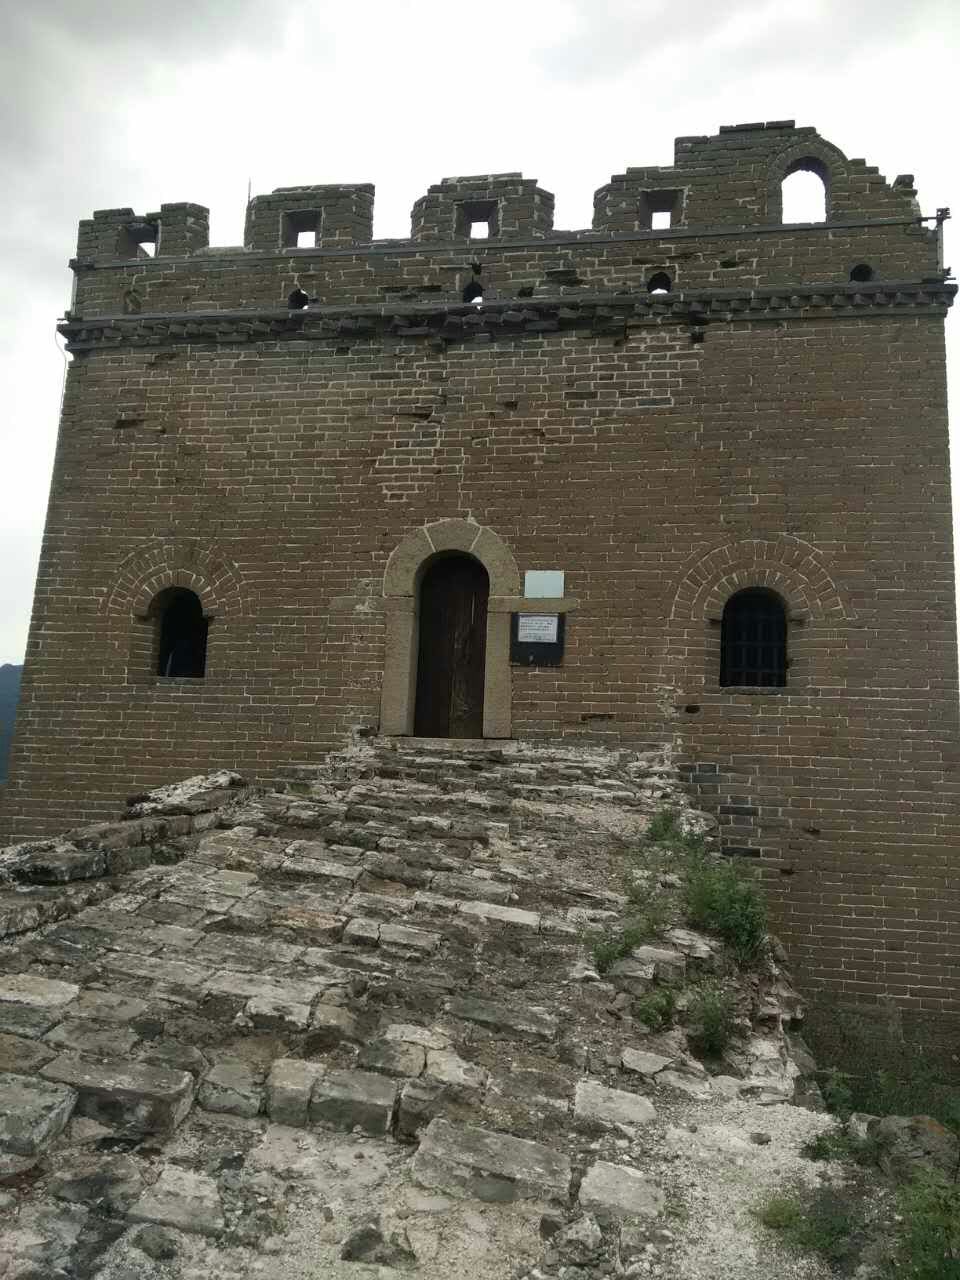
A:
(151, 568)
(792, 569)
(401, 582)
(817, 156)
(156, 567)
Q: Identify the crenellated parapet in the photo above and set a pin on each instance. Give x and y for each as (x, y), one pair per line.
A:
(734, 179)
(711, 220)
(321, 217)
(483, 207)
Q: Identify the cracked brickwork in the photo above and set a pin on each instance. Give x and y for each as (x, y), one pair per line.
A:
(766, 422)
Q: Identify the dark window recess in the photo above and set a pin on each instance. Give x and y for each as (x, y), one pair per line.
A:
(300, 229)
(658, 210)
(659, 282)
(183, 634)
(473, 292)
(861, 273)
(477, 219)
(753, 641)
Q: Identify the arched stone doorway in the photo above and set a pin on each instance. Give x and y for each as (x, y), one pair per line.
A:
(407, 570)
(452, 613)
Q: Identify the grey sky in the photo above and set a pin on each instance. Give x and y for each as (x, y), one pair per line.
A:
(125, 102)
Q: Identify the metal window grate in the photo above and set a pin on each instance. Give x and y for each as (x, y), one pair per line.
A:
(753, 644)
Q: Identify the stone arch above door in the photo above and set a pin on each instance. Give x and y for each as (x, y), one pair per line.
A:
(401, 581)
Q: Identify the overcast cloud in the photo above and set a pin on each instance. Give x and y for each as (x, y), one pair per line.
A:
(137, 103)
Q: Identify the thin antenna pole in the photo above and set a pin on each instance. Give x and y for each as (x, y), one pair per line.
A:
(249, 188)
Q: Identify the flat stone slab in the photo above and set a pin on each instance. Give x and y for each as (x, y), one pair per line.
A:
(35, 992)
(393, 1057)
(22, 1056)
(183, 1199)
(407, 941)
(452, 885)
(605, 1106)
(230, 1088)
(644, 1063)
(448, 1068)
(515, 916)
(289, 1086)
(32, 1113)
(145, 1098)
(620, 1190)
(86, 1035)
(347, 1100)
(531, 1024)
(469, 1162)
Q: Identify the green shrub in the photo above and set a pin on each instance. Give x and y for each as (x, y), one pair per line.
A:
(929, 1243)
(711, 1014)
(832, 1144)
(780, 1213)
(656, 1008)
(716, 898)
(608, 948)
(871, 1067)
(835, 1087)
(828, 1221)
(664, 830)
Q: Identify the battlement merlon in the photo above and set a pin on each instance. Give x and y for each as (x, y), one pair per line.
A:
(730, 179)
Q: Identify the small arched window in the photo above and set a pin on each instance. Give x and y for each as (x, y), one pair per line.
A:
(803, 192)
(753, 641)
(182, 633)
(659, 282)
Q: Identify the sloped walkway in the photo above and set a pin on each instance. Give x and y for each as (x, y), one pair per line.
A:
(390, 946)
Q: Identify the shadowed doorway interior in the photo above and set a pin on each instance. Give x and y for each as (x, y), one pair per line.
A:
(450, 661)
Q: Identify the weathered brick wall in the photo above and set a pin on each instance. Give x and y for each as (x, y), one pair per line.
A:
(766, 423)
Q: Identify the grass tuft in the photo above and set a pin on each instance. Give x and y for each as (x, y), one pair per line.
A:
(718, 899)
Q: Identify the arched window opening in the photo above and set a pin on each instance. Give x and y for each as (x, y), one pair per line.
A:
(660, 282)
(473, 293)
(298, 300)
(861, 273)
(753, 642)
(182, 649)
(803, 193)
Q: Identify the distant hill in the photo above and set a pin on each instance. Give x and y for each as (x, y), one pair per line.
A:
(9, 693)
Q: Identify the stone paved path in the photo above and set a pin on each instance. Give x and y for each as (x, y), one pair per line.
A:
(390, 945)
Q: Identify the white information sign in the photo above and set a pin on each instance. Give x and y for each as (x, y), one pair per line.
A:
(537, 628)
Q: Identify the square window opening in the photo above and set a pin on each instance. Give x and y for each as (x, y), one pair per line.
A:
(477, 219)
(300, 229)
(660, 210)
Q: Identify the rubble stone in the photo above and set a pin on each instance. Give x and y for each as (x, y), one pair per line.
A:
(470, 1162)
(230, 1087)
(32, 1113)
(354, 1099)
(184, 1199)
(534, 1024)
(145, 1098)
(596, 1102)
(289, 1087)
(621, 1191)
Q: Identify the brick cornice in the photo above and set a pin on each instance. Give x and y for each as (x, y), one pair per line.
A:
(593, 313)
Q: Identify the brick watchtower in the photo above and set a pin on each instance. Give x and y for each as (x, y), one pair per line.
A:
(317, 483)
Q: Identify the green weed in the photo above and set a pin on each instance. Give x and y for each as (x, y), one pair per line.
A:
(711, 1013)
(828, 1221)
(929, 1243)
(608, 948)
(655, 1010)
(718, 899)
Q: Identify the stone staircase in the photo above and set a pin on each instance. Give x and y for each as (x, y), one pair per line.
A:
(391, 943)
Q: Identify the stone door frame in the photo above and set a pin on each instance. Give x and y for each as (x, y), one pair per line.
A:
(401, 583)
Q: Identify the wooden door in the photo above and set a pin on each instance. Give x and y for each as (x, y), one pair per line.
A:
(453, 636)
